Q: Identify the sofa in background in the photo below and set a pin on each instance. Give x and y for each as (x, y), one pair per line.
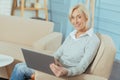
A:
(18, 32)
(99, 69)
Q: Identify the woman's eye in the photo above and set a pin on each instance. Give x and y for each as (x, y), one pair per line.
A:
(79, 16)
(72, 17)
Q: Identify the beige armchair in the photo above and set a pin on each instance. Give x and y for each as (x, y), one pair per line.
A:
(18, 32)
(99, 69)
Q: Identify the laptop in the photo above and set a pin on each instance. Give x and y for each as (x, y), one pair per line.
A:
(38, 61)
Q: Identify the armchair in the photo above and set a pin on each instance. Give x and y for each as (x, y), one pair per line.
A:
(19, 32)
(99, 69)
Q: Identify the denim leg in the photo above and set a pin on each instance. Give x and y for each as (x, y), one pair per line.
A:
(21, 72)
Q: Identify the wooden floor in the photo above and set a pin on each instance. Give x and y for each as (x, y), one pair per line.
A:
(115, 75)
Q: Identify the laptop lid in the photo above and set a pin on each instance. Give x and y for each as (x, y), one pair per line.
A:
(38, 61)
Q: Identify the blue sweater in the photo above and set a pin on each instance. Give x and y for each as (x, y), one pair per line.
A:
(76, 54)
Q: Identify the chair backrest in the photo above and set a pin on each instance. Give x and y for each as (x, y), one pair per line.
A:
(22, 30)
(104, 59)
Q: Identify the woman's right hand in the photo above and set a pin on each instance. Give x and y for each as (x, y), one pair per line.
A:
(58, 70)
(58, 63)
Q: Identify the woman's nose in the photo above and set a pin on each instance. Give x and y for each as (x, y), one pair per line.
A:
(76, 21)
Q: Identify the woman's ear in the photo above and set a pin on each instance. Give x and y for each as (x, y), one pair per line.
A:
(86, 18)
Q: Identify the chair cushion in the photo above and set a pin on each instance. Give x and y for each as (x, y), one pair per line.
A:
(87, 77)
(44, 76)
(12, 49)
(103, 61)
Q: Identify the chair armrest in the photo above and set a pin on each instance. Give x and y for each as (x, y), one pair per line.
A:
(43, 76)
(87, 77)
(50, 42)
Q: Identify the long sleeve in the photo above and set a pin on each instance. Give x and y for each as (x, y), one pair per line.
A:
(59, 52)
(90, 51)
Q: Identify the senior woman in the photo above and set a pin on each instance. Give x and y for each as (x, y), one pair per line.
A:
(74, 55)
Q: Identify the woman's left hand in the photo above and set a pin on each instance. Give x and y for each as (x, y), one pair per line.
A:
(58, 70)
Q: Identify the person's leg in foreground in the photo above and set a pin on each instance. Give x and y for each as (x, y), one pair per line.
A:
(21, 72)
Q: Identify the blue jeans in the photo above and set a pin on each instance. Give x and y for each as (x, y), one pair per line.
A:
(21, 72)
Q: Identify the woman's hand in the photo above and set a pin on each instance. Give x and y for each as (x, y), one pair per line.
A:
(33, 76)
(58, 70)
(57, 63)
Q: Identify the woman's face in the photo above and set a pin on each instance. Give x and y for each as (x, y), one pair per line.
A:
(78, 19)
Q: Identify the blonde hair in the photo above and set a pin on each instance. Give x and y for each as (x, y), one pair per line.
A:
(81, 8)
